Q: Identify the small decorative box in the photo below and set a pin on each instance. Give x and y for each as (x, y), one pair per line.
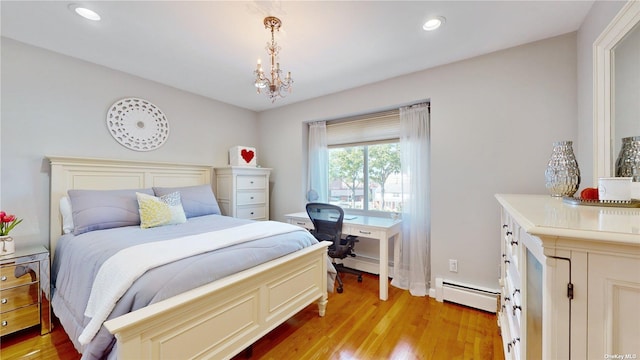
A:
(242, 156)
(614, 188)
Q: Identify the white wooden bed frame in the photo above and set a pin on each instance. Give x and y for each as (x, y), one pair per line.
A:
(214, 321)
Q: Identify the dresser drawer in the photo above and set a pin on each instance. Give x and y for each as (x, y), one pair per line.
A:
(251, 198)
(19, 319)
(19, 296)
(255, 212)
(8, 278)
(245, 182)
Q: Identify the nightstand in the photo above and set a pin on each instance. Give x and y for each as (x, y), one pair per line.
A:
(243, 191)
(24, 290)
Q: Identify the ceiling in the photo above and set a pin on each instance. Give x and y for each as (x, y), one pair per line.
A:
(211, 47)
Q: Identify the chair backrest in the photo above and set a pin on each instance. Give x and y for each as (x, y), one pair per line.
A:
(327, 220)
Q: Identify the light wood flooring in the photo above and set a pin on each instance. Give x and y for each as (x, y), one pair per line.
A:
(357, 326)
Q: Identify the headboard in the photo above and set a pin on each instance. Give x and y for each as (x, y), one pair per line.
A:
(104, 174)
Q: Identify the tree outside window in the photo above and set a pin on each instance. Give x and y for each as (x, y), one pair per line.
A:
(347, 181)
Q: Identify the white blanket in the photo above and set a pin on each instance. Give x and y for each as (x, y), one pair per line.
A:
(121, 270)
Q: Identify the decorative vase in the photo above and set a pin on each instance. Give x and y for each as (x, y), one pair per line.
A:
(628, 162)
(562, 174)
(7, 245)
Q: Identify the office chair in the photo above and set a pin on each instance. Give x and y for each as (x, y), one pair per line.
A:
(327, 222)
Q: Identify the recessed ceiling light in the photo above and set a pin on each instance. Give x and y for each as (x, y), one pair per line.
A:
(84, 12)
(433, 23)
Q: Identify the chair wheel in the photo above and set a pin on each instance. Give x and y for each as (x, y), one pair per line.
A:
(359, 278)
(340, 290)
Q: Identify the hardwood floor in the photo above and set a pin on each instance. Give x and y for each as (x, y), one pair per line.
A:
(357, 326)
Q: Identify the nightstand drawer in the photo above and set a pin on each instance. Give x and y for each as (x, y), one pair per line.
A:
(19, 296)
(8, 278)
(256, 212)
(19, 319)
(250, 198)
(251, 182)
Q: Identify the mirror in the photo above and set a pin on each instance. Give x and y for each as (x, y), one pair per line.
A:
(616, 52)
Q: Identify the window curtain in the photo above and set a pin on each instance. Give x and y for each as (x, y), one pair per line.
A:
(413, 272)
(318, 163)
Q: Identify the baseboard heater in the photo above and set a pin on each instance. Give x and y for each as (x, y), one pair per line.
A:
(467, 295)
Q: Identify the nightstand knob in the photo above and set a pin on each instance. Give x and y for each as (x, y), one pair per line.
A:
(5, 323)
(4, 301)
(4, 278)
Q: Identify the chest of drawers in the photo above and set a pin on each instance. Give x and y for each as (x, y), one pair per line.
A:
(570, 279)
(24, 290)
(243, 192)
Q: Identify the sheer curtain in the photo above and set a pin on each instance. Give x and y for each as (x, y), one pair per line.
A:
(318, 163)
(414, 270)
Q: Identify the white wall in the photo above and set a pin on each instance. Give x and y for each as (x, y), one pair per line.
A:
(493, 121)
(601, 13)
(56, 105)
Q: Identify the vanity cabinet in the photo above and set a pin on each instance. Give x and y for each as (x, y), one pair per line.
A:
(570, 279)
(243, 192)
(24, 290)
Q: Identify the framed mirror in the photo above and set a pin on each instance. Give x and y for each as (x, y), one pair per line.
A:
(614, 51)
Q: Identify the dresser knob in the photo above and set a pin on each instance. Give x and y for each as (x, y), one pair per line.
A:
(507, 261)
(4, 323)
(516, 307)
(516, 291)
(4, 278)
(4, 301)
(514, 242)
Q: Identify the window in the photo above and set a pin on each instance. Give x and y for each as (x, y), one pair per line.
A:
(364, 163)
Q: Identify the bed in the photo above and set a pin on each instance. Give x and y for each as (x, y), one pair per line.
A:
(217, 318)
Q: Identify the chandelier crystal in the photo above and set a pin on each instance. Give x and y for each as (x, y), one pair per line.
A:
(276, 86)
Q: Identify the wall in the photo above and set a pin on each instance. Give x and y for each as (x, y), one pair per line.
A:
(494, 118)
(56, 105)
(601, 13)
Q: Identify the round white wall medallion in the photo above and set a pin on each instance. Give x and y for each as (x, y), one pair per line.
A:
(137, 124)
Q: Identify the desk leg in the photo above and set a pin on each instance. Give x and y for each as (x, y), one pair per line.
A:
(397, 241)
(384, 267)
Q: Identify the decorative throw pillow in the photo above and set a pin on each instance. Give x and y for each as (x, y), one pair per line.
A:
(104, 209)
(158, 211)
(196, 200)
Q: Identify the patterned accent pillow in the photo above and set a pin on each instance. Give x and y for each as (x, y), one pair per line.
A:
(159, 211)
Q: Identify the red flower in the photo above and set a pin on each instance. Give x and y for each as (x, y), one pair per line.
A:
(7, 223)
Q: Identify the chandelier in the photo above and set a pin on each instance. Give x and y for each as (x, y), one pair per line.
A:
(275, 86)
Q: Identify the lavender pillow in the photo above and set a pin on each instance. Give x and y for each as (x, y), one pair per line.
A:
(196, 200)
(104, 209)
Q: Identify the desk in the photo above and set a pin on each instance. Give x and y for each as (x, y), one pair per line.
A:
(381, 229)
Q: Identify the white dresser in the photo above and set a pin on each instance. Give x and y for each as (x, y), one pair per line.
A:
(570, 280)
(243, 192)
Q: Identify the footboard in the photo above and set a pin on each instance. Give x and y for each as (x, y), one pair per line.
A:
(220, 319)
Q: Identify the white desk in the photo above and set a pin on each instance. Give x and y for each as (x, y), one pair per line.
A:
(378, 228)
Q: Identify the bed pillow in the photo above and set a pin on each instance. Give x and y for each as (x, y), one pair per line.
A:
(196, 200)
(67, 215)
(104, 209)
(159, 211)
